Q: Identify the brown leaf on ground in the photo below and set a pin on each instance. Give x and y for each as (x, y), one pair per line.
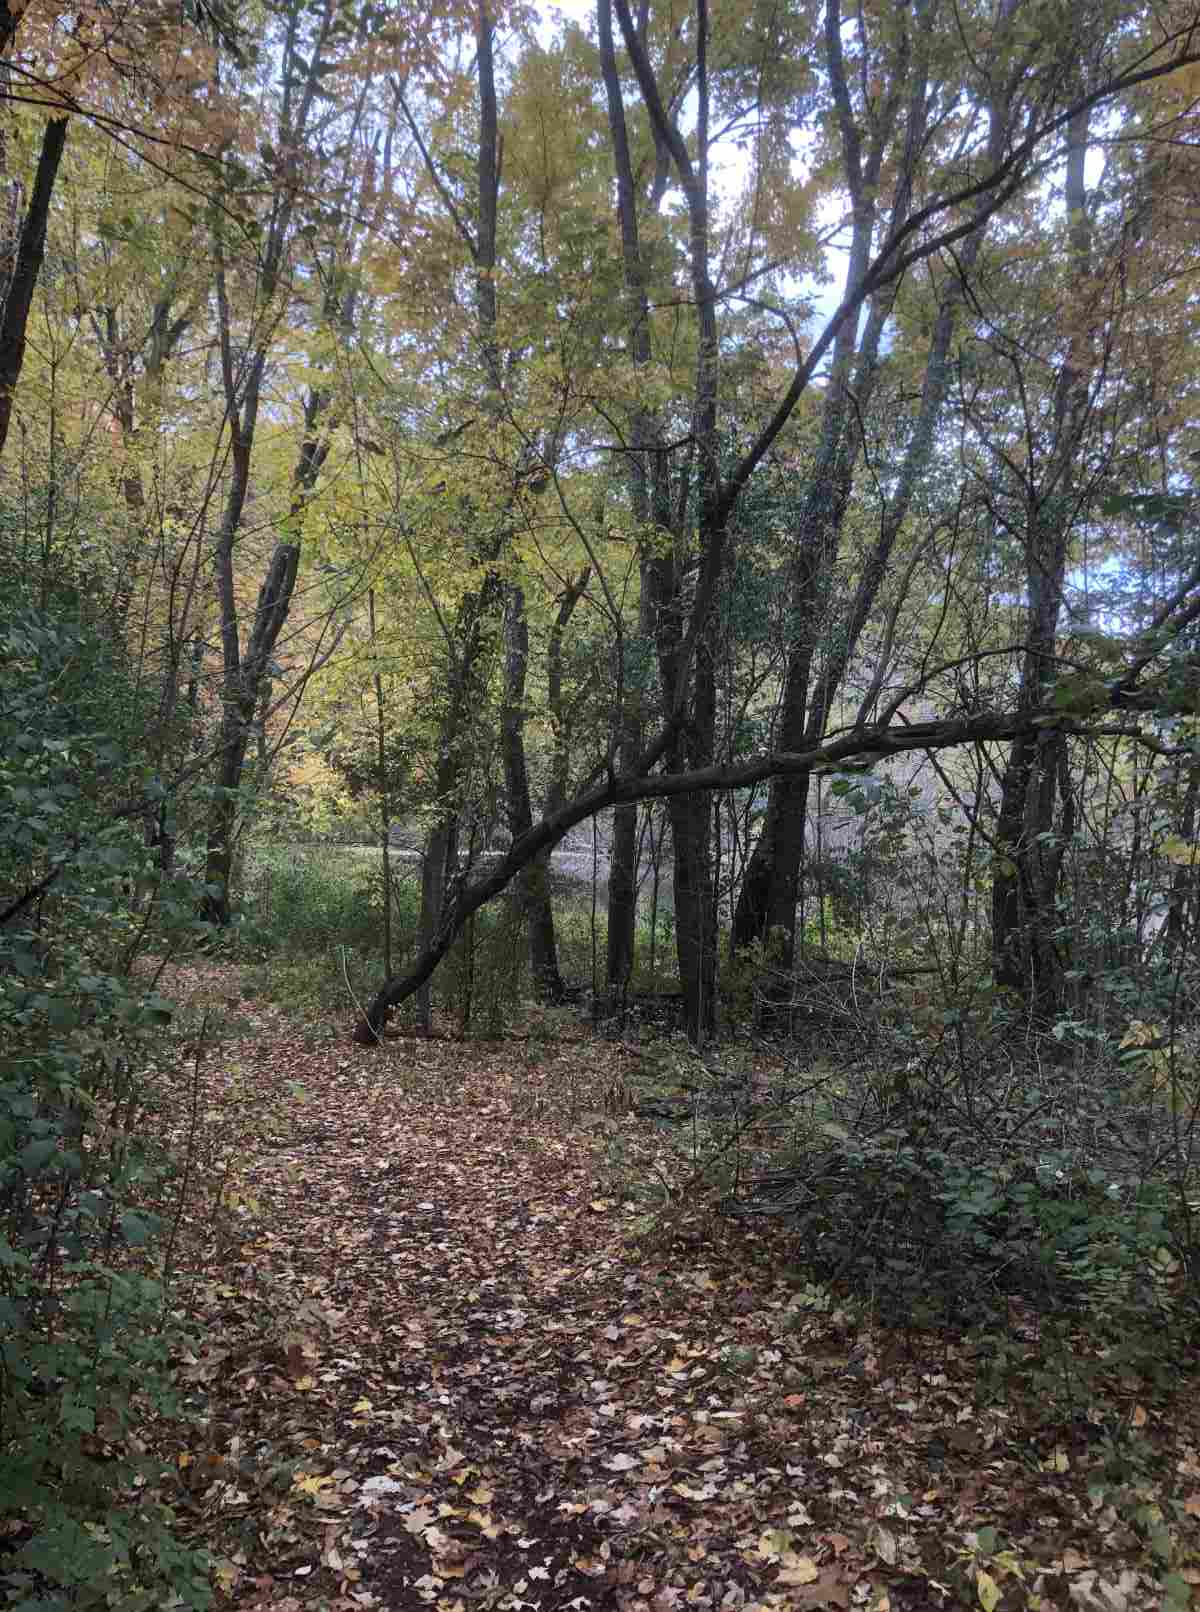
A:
(444, 1361)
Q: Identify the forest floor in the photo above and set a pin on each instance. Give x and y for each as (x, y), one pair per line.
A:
(449, 1359)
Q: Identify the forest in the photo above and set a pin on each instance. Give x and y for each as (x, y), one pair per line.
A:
(600, 804)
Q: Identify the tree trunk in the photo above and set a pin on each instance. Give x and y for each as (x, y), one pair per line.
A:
(465, 639)
(684, 638)
(1181, 909)
(695, 934)
(650, 497)
(242, 378)
(1031, 836)
(243, 681)
(441, 853)
(534, 883)
(30, 254)
(622, 906)
(766, 906)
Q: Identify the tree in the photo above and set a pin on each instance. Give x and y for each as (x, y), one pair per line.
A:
(102, 69)
(315, 41)
(1017, 126)
(898, 136)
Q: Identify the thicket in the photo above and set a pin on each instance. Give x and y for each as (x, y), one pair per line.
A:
(88, 1336)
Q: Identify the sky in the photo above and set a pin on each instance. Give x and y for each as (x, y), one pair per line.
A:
(731, 168)
(729, 172)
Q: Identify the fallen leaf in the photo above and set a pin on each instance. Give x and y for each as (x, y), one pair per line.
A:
(227, 1576)
(987, 1590)
(828, 1590)
(774, 1542)
(798, 1570)
(620, 1463)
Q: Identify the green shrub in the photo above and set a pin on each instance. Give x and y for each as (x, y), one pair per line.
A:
(484, 982)
(580, 943)
(82, 1369)
(305, 900)
(939, 1237)
(83, 1348)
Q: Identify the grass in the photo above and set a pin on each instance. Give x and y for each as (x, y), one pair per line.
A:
(314, 918)
(301, 901)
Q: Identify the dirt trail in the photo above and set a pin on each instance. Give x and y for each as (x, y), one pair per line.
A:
(439, 1369)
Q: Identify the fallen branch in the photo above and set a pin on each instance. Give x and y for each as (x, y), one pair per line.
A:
(857, 746)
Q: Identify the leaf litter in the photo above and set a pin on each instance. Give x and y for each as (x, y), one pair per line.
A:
(445, 1362)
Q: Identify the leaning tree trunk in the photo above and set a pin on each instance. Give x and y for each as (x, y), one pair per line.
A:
(31, 250)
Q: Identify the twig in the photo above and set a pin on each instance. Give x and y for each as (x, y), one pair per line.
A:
(358, 1005)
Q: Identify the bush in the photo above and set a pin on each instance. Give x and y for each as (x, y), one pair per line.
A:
(485, 979)
(945, 1191)
(301, 901)
(83, 1346)
(81, 1370)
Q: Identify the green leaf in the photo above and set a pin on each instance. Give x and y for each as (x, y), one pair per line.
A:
(135, 1230)
(987, 1590)
(10, 1258)
(1177, 1593)
(34, 1156)
(62, 1015)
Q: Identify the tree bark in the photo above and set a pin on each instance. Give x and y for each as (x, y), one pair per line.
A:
(766, 906)
(1036, 811)
(650, 499)
(466, 638)
(1181, 925)
(240, 693)
(30, 254)
(534, 882)
(684, 637)
(242, 675)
